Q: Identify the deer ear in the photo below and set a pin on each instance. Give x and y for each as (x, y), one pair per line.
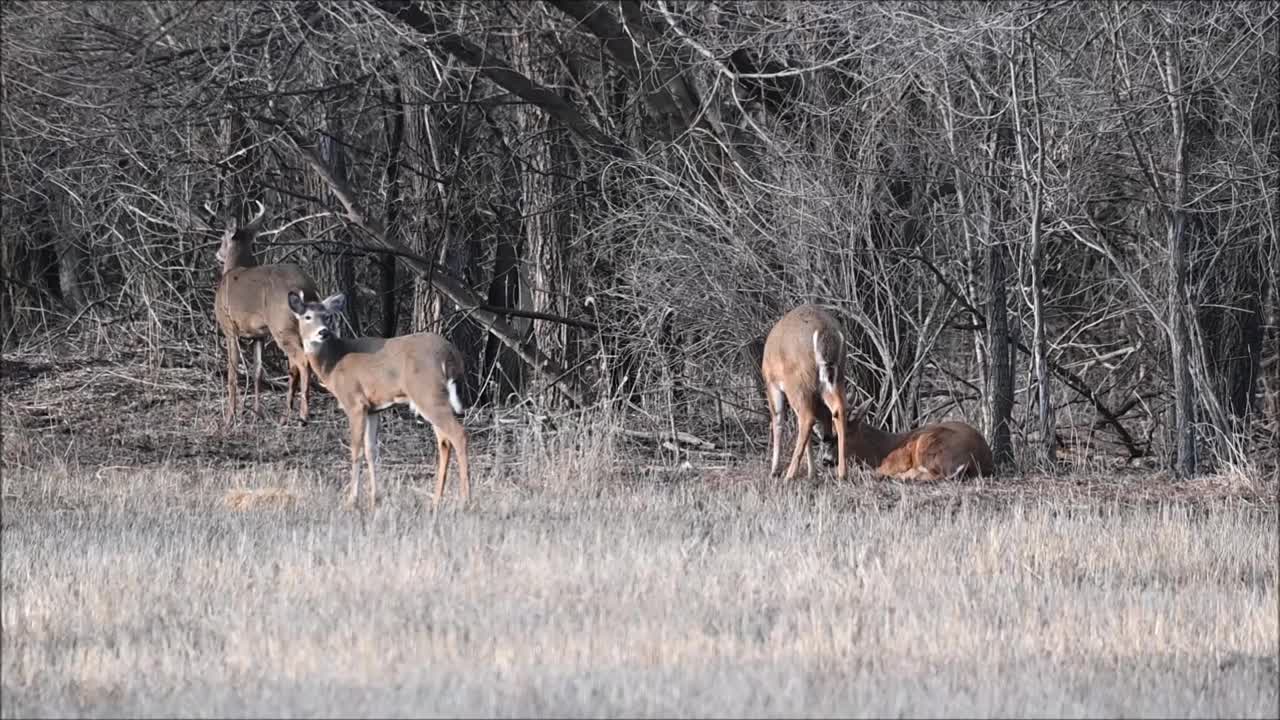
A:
(336, 302)
(860, 411)
(295, 303)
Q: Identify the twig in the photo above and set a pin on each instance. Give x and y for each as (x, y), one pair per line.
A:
(679, 436)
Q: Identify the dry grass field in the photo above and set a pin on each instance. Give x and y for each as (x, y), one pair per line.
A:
(153, 565)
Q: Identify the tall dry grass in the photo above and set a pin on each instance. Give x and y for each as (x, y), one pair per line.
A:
(576, 587)
(152, 565)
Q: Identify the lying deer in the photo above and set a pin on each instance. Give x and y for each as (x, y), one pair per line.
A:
(940, 451)
(251, 301)
(803, 365)
(368, 375)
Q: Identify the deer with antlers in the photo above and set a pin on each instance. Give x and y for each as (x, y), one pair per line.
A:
(252, 301)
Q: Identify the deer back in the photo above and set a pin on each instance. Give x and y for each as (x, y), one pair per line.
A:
(804, 341)
(254, 299)
(380, 372)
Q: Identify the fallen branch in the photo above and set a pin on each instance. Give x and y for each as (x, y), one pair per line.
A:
(457, 292)
(679, 437)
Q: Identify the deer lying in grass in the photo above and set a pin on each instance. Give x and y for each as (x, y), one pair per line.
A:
(940, 451)
(251, 301)
(368, 375)
(803, 365)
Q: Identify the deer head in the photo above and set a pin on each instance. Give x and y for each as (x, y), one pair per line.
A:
(236, 249)
(317, 321)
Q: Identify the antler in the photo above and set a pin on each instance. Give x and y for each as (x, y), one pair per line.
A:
(209, 218)
(253, 224)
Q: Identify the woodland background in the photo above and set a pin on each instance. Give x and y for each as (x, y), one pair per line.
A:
(1055, 219)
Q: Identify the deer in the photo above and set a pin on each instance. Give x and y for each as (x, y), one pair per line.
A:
(938, 451)
(370, 374)
(251, 301)
(803, 366)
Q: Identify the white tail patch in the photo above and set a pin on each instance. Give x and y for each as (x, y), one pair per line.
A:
(454, 401)
(826, 375)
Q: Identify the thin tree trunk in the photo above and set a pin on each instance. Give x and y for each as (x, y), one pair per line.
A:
(71, 257)
(503, 371)
(1178, 298)
(386, 261)
(1001, 384)
(973, 258)
(1034, 183)
(1000, 343)
(543, 256)
(344, 271)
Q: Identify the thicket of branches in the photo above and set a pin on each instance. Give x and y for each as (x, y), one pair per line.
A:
(1059, 217)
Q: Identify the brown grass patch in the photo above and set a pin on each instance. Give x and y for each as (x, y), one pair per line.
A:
(242, 499)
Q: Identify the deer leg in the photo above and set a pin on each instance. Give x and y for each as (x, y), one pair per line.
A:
(233, 362)
(298, 371)
(458, 439)
(293, 387)
(257, 376)
(442, 467)
(304, 379)
(371, 455)
(835, 402)
(358, 418)
(804, 421)
(450, 436)
(777, 401)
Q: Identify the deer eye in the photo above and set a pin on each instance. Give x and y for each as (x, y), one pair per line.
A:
(307, 316)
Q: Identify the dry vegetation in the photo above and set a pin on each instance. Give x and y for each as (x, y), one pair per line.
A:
(1054, 220)
(153, 566)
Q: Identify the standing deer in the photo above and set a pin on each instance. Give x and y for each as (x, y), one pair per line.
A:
(251, 301)
(940, 451)
(803, 365)
(368, 375)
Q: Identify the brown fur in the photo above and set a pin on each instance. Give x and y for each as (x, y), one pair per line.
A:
(940, 451)
(251, 301)
(790, 368)
(368, 375)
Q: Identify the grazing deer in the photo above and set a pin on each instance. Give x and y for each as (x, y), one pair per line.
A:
(803, 365)
(368, 375)
(252, 301)
(940, 451)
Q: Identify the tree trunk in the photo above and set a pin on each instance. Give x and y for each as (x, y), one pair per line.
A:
(1001, 384)
(71, 256)
(503, 372)
(1178, 298)
(1033, 182)
(972, 250)
(540, 202)
(344, 272)
(394, 121)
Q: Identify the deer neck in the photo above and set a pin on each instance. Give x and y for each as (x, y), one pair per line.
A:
(871, 444)
(242, 259)
(324, 358)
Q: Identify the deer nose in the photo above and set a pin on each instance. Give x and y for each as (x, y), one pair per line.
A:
(324, 334)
